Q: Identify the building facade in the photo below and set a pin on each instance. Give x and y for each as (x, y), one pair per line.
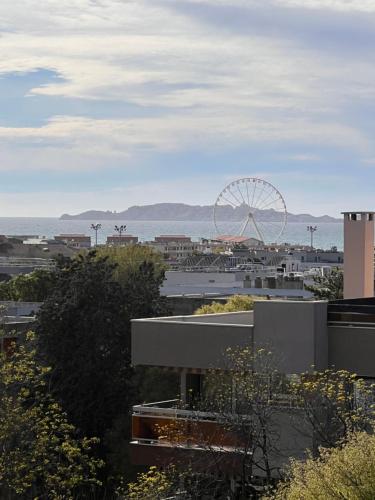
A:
(306, 335)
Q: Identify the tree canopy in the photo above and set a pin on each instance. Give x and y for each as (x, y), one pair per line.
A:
(129, 258)
(330, 287)
(83, 334)
(32, 287)
(236, 303)
(40, 456)
(346, 472)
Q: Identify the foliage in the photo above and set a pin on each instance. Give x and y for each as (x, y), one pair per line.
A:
(129, 258)
(140, 272)
(248, 398)
(83, 332)
(32, 287)
(174, 482)
(236, 303)
(151, 485)
(84, 335)
(156, 384)
(329, 287)
(345, 472)
(40, 457)
(335, 403)
(242, 398)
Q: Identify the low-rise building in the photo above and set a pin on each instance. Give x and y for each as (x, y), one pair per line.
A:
(75, 240)
(174, 247)
(126, 239)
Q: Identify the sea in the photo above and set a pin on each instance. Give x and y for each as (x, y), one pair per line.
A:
(327, 235)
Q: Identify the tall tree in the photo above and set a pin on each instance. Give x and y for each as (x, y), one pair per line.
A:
(40, 456)
(84, 335)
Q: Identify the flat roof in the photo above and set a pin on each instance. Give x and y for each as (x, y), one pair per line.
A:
(358, 212)
(183, 290)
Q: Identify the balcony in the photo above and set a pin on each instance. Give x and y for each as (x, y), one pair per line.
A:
(165, 433)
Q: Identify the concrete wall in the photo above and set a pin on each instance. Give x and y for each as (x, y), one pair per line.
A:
(185, 345)
(296, 332)
(353, 349)
(232, 318)
(201, 278)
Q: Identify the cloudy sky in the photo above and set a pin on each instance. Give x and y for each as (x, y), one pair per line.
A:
(109, 103)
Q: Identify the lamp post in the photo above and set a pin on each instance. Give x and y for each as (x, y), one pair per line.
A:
(120, 229)
(96, 227)
(311, 230)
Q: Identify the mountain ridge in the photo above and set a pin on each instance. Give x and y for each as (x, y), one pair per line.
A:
(184, 212)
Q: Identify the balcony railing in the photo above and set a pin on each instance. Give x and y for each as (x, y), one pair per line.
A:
(168, 423)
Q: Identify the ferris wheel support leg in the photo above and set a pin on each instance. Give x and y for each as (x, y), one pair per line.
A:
(257, 230)
(245, 225)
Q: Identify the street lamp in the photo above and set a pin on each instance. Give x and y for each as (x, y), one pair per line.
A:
(96, 228)
(311, 230)
(120, 229)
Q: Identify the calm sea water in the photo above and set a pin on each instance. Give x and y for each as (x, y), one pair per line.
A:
(328, 234)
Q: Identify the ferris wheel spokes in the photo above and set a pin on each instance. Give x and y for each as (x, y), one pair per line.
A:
(257, 210)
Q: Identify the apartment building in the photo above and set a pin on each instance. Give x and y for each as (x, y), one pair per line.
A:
(174, 247)
(306, 336)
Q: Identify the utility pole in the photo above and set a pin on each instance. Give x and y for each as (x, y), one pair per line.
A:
(120, 229)
(311, 230)
(96, 228)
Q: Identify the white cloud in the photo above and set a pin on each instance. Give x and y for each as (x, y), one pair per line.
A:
(209, 90)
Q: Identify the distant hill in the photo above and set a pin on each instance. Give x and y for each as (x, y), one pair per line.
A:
(182, 212)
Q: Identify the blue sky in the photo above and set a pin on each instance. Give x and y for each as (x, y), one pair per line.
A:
(106, 103)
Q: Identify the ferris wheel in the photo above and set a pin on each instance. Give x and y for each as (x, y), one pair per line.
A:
(252, 208)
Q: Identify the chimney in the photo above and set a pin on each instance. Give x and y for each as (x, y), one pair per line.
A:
(358, 254)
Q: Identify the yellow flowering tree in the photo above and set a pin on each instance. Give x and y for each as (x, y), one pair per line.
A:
(345, 472)
(236, 303)
(151, 485)
(335, 403)
(39, 454)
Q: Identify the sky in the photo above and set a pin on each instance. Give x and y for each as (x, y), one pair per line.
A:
(106, 104)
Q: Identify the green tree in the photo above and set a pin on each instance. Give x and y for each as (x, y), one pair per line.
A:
(234, 304)
(128, 260)
(84, 335)
(330, 287)
(40, 456)
(346, 472)
(140, 272)
(32, 287)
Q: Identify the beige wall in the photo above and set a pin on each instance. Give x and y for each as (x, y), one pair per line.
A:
(358, 257)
